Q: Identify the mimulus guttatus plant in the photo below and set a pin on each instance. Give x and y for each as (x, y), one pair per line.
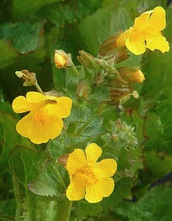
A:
(96, 87)
(44, 120)
(89, 178)
(146, 33)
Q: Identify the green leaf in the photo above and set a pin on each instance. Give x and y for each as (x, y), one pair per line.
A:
(46, 184)
(24, 8)
(84, 209)
(104, 23)
(24, 36)
(7, 208)
(7, 55)
(155, 205)
(158, 163)
(24, 162)
(9, 135)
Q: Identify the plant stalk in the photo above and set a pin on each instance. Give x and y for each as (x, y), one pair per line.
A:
(64, 210)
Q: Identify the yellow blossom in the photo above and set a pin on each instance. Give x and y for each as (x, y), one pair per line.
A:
(44, 120)
(146, 33)
(89, 178)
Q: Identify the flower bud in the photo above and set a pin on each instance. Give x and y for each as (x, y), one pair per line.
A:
(86, 59)
(61, 59)
(131, 74)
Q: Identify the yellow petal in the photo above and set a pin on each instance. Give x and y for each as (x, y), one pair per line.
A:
(43, 129)
(157, 19)
(141, 22)
(136, 46)
(109, 166)
(20, 105)
(93, 152)
(23, 125)
(157, 42)
(103, 188)
(76, 161)
(76, 189)
(35, 96)
(64, 105)
(121, 39)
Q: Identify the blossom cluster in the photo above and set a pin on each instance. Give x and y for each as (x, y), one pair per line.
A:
(88, 178)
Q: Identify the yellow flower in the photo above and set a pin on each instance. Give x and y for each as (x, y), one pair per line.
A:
(146, 33)
(88, 177)
(44, 121)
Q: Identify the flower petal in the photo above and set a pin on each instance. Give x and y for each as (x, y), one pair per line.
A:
(20, 105)
(93, 152)
(136, 46)
(23, 125)
(121, 39)
(141, 22)
(63, 106)
(157, 20)
(103, 188)
(76, 189)
(76, 160)
(109, 166)
(42, 130)
(157, 42)
(39, 131)
(35, 97)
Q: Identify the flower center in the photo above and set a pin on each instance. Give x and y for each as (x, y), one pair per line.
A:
(91, 175)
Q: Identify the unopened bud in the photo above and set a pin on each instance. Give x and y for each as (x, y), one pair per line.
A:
(86, 59)
(131, 74)
(61, 59)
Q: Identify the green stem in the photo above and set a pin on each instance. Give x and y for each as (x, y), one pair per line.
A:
(57, 173)
(16, 188)
(74, 69)
(64, 210)
(38, 88)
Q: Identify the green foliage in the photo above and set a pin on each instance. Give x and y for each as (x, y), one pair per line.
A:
(155, 205)
(137, 133)
(23, 36)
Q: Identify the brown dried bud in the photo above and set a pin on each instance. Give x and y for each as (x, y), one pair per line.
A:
(28, 77)
(118, 95)
(109, 44)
